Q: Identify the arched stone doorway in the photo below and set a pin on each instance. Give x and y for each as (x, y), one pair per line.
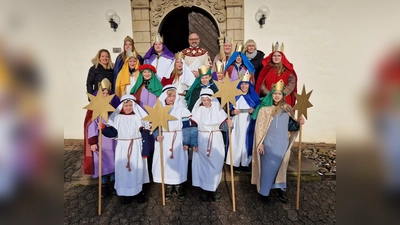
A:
(182, 21)
(148, 16)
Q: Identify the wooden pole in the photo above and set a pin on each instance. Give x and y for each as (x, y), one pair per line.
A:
(299, 169)
(100, 162)
(230, 158)
(162, 167)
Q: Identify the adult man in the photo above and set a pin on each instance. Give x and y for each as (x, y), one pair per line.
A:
(195, 57)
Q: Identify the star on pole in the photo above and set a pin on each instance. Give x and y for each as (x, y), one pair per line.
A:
(100, 105)
(227, 91)
(303, 102)
(158, 115)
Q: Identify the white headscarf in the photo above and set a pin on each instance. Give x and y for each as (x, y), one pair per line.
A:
(187, 75)
(136, 109)
(178, 101)
(216, 111)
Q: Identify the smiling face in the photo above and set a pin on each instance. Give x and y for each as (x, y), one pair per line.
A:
(194, 40)
(244, 87)
(146, 74)
(171, 97)
(250, 48)
(158, 46)
(206, 102)
(104, 58)
(205, 79)
(105, 92)
(277, 96)
(227, 48)
(132, 63)
(220, 76)
(238, 59)
(128, 107)
(178, 64)
(276, 57)
(128, 45)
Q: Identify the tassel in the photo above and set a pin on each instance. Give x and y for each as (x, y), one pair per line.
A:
(208, 152)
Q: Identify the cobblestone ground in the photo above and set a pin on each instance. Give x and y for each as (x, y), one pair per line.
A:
(317, 204)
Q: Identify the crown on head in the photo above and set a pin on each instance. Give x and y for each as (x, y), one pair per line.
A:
(105, 84)
(130, 54)
(203, 70)
(127, 38)
(239, 47)
(219, 66)
(276, 47)
(179, 55)
(159, 38)
(278, 86)
(245, 77)
(228, 39)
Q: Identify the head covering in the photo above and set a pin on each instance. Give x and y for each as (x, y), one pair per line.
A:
(136, 109)
(151, 54)
(245, 61)
(154, 86)
(215, 108)
(197, 83)
(267, 100)
(187, 75)
(123, 77)
(178, 102)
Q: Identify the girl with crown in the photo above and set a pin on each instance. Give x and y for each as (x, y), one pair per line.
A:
(128, 75)
(272, 142)
(238, 64)
(243, 125)
(219, 74)
(159, 56)
(175, 143)
(180, 76)
(277, 67)
(129, 45)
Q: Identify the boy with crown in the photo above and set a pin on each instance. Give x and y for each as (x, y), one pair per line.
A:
(243, 125)
(238, 64)
(277, 67)
(272, 142)
(159, 56)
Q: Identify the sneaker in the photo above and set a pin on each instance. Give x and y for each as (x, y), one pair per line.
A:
(204, 196)
(141, 197)
(168, 192)
(127, 199)
(216, 196)
(105, 191)
(281, 194)
(180, 192)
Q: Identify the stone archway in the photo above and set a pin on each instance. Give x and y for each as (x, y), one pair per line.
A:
(147, 16)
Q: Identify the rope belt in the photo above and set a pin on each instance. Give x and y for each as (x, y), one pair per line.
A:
(210, 137)
(128, 165)
(173, 141)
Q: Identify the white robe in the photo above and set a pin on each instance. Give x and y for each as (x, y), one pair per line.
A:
(161, 64)
(175, 169)
(240, 123)
(129, 183)
(207, 170)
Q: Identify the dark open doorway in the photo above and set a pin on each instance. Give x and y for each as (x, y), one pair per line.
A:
(177, 25)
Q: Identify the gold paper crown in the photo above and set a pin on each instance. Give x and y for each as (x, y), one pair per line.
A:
(278, 86)
(277, 48)
(246, 77)
(105, 84)
(219, 66)
(128, 39)
(179, 55)
(159, 38)
(203, 70)
(130, 54)
(239, 47)
(228, 39)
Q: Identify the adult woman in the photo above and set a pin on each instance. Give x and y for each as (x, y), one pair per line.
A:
(255, 56)
(277, 67)
(159, 56)
(121, 58)
(272, 143)
(102, 68)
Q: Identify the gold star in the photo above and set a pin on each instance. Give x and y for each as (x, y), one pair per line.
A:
(227, 91)
(303, 102)
(100, 105)
(159, 115)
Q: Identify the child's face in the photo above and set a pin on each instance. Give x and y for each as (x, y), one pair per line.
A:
(179, 64)
(220, 75)
(244, 87)
(105, 92)
(158, 47)
(206, 102)
(170, 98)
(128, 107)
(205, 79)
(146, 74)
(238, 59)
(132, 63)
(277, 96)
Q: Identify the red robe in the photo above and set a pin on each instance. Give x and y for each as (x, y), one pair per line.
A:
(269, 76)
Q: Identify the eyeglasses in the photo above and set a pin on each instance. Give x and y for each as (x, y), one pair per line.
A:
(193, 39)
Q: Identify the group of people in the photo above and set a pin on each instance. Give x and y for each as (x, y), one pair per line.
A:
(263, 124)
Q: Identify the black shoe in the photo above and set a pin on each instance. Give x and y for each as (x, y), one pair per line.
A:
(281, 194)
(105, 191)
(141, 197)
(168, 192)
(112, 188)
(127, 199)
(180, 192)
(216, 196)
(204, 196)
(266, 200)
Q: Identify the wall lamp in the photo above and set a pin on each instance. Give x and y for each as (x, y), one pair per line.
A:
(261, 15)
(113, 18)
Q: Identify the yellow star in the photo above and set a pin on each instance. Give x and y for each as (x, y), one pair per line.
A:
(159, 115)
(303, 102)
(227, 91)
(100, 105)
